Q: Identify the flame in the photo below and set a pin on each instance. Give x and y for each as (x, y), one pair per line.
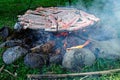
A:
(80, 46)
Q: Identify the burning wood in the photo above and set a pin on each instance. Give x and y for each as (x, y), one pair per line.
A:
(55, 19)
(80, 46)
(45, 48)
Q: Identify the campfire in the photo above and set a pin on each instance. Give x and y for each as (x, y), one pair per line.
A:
(56, 35)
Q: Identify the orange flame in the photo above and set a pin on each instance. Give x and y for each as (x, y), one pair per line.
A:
(80, 46)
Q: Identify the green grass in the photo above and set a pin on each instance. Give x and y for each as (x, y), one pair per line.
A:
(10, 9)
(14, 7)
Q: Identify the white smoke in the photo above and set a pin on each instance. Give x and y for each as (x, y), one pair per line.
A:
(109, 14)
(108, 11)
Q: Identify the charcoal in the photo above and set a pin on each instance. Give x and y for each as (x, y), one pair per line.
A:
(13, 53)
(21, 34)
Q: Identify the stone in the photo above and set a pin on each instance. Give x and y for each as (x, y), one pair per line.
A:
(109, 49)
(34, 60)
(4, 32)
(77, 58)
(13, 53)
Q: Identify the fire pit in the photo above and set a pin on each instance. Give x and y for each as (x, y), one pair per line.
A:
(60, 36)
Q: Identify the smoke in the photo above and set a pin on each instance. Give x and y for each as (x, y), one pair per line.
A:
(107, 10)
